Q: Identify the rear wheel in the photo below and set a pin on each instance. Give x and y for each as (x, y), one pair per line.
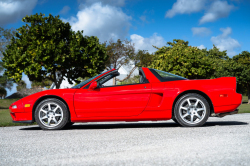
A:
(52, 114)
(191, 110)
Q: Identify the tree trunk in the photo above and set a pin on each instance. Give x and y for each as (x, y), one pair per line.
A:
(248, 93)
(114, 81)
(57, 86)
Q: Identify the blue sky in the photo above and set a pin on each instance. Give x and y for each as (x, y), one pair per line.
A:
(224, 23)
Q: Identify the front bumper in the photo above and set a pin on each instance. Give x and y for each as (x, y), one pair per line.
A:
(21, 116)
(18, 114)
(26, 121)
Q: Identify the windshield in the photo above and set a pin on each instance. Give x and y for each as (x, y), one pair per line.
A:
(86, 81)
(166, 74)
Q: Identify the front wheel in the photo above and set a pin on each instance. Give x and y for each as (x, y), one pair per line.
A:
(51, 114)
(191, 110)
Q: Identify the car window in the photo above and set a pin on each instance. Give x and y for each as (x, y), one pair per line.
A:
(166, 74)
(135, 78)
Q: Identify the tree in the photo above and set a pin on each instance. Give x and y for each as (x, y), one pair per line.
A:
(184, 60)
(21, 85)
(5, 37)
(119, 53)
(3, 92)
(242, 70)
(45, 83)
(47, 48)
(143, 58)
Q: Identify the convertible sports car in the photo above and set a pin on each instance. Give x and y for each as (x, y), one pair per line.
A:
(158, 96)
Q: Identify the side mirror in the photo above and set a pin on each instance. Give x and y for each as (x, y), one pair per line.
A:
(93, 85)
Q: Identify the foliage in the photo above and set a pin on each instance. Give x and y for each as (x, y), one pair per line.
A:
(120, 53)
(5, 38)
(44, 83)
(143, 58)
(3, 92)
(21, 85)
(242, 70)
(131, 80)
(181, 59)
(47, 48)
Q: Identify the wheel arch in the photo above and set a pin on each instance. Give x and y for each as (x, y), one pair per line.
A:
(47, 97)
(197, 92)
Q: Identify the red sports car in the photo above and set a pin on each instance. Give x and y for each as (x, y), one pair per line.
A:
(158, 96)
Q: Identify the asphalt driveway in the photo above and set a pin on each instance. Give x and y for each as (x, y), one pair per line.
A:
(222, 141)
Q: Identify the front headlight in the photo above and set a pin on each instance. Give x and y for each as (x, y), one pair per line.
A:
(14, 107)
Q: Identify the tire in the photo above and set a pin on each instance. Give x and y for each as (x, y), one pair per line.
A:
(175, 120)
(51, 114)
(191, 110)
(68, 125)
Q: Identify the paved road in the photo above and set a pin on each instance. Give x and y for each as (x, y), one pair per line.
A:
(224, 141)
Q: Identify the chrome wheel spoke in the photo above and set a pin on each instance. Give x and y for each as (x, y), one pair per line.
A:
(54, 110)
(49, 107)
(198, 115)
(185, 115)
(45, 117)
(189, 104)
(196, 103)
(54, 119)
(199, 109)
(58, 114)
(49, 120)
(192, 118)
(185, 108)
(44, 111)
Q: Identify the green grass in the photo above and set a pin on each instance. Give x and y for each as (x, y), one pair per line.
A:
(6, 120)
(5, 103)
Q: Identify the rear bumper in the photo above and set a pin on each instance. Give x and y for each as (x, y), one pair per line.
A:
(227, 108)
(236, 102)
(226, 113)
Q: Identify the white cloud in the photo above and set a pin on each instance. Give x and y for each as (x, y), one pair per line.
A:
(185, 7)
(201, 31)
(143, 18)
(218, 9)
(65, 10)
(13, 10)
(105, 22)
(225, 42)
(146, 43)
(201, 46)
(84, 3)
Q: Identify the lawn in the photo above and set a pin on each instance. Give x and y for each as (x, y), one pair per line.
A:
(6, 120)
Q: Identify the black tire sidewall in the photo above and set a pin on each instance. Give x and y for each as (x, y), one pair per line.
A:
(64, 121)
(177, 115)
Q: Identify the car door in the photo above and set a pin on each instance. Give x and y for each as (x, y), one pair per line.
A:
(112, 101)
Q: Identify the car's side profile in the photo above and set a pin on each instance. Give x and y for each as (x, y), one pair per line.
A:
(158, 96)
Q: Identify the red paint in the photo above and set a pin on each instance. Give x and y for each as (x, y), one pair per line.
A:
(136, 102)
